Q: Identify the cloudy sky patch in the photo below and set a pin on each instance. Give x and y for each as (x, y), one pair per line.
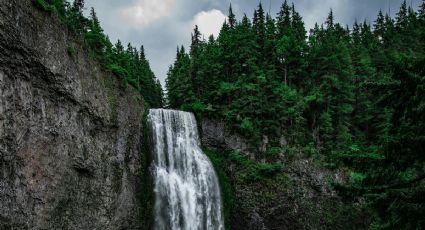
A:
(144, 12)
(209, 22)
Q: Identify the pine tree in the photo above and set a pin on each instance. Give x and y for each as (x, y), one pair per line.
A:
(421, 12)
(95, 21)
(379, 26)
(79, 4)
(330, 20)
(390, 32)
(75, 19)
(402, 18)
(298, 26)
(330, 94)
(61, 7)
(297, 63)
(259, 29)
(421, 19)
(142, 53)
(231, 18)
(364, 72)
(195, 49)
(196, 40)
(119, 47)
(178, 84)
(270, 47)
(284, 19)
(95, 37)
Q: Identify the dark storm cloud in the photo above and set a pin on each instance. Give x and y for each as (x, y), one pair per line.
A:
(162, 25)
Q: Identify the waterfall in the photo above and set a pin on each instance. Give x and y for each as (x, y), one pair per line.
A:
(187, 193)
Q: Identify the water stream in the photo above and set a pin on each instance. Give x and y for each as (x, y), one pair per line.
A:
(187, 193)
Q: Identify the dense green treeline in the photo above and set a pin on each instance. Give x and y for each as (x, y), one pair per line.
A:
(129, 63)
(355, 96)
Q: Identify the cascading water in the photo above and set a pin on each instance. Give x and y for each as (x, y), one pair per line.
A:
(187, 194)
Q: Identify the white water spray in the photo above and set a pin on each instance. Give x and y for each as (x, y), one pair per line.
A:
(187, 194)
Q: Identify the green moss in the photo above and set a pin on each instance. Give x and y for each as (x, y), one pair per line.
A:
(343, 216)
(266, 180)
(252, 171)
(71, 51)
(145, 177)
(112, 95)
(218, 159)
(41, 4)
(120, 72)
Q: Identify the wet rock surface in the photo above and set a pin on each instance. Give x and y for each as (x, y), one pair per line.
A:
(216, 135)
(70, 137)
(300, 197)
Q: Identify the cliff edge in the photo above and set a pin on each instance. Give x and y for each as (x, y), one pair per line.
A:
(70, 136)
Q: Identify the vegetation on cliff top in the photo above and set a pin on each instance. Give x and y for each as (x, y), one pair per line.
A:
(354, 96)
(129, 64)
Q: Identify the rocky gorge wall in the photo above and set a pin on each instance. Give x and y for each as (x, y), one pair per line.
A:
(70, 137)
(300, 196)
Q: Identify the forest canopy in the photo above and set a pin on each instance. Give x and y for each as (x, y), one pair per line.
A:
(355, 96)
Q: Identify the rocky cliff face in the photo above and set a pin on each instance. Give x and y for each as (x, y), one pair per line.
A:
(216, 135)
(70, 139)
(299, 197)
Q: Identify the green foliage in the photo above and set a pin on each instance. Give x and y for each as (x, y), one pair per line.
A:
(263, 171)
(145, 189)
(120, 72)
(352, 97)
(235, 168)
(239, 159)
(112, 99)
(228, 195)
(309, 149)
(273, 152)
(247, 126)
(71, 51)
(198, 107)
(357, 178)
(43, 5)
(254, 171)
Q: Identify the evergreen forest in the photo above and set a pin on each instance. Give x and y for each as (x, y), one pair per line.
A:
(352, 97)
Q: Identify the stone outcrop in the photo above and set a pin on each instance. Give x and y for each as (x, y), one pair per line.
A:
(299, 197)
(215, 134)
(70, 136)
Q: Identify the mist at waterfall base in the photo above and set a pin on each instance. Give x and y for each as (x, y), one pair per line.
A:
(187, 193)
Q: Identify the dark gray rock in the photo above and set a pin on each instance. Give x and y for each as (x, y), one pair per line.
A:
(70, 139)
(216, 135)
(299, 197)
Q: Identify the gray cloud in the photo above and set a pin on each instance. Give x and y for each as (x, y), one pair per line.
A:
(162, 35)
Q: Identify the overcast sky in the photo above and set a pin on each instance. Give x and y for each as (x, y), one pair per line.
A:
(162, 25)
